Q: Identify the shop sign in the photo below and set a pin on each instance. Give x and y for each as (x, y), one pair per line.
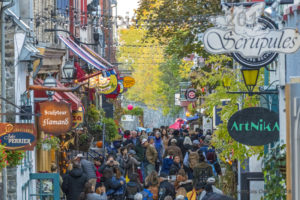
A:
(78, 117)
(111, 87)
(254, 126)
(98, 81)
(17, 136)
(252, 39)
(56, 117)
(128, 81)
(191, 95)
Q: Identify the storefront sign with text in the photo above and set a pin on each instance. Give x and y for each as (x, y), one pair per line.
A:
(78, 117)
(254, 126)
(17, 136)
(56, 118)
(253, 39)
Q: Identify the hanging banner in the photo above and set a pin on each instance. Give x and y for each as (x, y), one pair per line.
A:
(254, 126)
(128, 81)
(56, 117)
(254, 40)
(17, 136)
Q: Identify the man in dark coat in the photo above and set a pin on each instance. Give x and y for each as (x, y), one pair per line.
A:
(175, 167)
(165, 187)
(73, 183)
(202, 171)
(88, 168)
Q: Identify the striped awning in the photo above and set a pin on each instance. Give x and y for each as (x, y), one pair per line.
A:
(86, 56)
(97, 56)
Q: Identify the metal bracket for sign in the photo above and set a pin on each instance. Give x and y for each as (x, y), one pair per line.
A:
(254, 93)
(22, 114)
(248, 4)
(11, 103)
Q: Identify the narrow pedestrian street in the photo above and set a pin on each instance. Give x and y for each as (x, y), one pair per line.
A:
(150, 100)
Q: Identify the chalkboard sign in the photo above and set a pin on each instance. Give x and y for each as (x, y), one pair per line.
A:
(254, 126)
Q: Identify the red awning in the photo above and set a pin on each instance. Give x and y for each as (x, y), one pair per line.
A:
(67, 97)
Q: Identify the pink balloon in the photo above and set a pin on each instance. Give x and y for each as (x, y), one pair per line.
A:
(130, 107)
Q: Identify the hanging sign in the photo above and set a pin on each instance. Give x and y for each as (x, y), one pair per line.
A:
(128, 81)
(190, 94)
(17, 136)
(253, 39)
(98, 81)
(254, 126)
(78, 117)
(56, 117)
(112, 86)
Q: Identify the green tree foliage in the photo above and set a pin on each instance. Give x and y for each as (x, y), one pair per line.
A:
(275, 173)
(211, 78)
(177, 23)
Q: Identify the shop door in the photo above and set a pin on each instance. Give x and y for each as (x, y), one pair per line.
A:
(46, 186)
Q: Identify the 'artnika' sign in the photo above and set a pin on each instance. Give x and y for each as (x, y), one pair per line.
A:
(253, 39)
(17, 136)
(56, 118)
(254, 126)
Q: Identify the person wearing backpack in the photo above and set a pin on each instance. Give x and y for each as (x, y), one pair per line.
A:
(202, 171)
(133, 186)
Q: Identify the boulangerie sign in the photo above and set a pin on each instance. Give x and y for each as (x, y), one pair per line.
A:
(56, 118)
(252, 39)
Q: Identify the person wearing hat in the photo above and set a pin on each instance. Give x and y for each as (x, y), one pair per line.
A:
(131, 164)
(211, 181)
(151, 156)
(88, 168)
(165, 187)
(173, 150)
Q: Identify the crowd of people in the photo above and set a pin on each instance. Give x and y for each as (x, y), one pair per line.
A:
(163, 164)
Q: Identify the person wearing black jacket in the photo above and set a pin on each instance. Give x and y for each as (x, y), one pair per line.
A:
(74, 182)
(165, 188)
(175, 167)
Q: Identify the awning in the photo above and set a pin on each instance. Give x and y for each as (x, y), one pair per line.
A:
(97, 56)
(192, 118)
(87, 57)
(67, 97)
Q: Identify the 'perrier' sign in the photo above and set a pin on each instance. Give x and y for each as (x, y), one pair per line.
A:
(254, 126)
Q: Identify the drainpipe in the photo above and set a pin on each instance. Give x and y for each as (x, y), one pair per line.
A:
(3, 86)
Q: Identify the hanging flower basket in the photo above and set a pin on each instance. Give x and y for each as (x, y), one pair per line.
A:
(49, 142)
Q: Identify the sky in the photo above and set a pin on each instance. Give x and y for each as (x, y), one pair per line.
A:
(127, 6)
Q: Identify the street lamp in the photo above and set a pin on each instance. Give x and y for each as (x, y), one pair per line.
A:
(250, 76)
(50, 81)
(69, 71)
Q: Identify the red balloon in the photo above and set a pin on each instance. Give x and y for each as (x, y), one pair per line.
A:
(130, 107)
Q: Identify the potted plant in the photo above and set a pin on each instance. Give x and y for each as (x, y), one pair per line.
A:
(49, 142)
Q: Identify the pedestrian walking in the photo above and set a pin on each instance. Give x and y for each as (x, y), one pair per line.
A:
(88, 168)
(74, 182)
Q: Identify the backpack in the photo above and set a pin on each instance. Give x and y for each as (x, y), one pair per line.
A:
(201, 175)
(131, 189)
(193, 159)
(146, 195)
